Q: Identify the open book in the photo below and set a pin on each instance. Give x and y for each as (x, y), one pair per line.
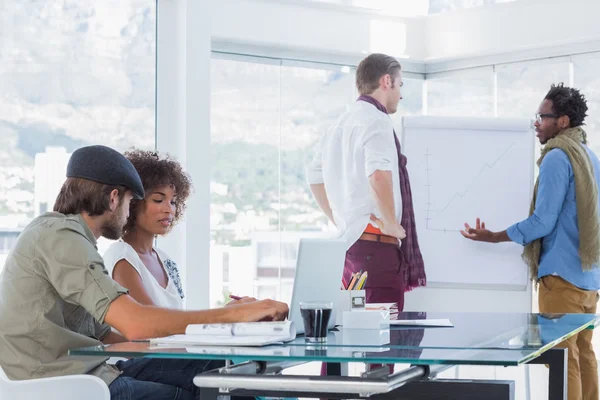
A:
(239, 334)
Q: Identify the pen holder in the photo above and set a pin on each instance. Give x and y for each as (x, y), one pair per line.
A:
(349, 300)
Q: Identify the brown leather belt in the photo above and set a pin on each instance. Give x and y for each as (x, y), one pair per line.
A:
(372, 237)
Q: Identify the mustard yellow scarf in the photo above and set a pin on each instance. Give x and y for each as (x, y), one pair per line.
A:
(586, 196)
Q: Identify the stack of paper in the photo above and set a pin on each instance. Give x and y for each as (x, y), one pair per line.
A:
(442, 323)
(239, 334)
(392, 307)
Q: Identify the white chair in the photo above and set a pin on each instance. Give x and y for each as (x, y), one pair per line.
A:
(72, 387)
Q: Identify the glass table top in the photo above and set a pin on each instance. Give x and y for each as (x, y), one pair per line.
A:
(470, 331)
(324, 353)
(476, 338)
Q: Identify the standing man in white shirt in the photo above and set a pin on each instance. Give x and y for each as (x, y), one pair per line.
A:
(359, 179)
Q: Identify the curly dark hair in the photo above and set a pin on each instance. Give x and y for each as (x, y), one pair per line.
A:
(568, 101)
(156, 171)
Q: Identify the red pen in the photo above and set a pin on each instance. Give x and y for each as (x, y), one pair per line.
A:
(234, 297)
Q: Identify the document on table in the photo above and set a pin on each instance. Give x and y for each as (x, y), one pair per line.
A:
(240, 334)
(437, 323)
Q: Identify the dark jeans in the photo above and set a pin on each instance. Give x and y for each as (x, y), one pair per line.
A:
(158, 379)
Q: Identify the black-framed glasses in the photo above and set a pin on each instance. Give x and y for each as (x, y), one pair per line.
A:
(540, 117)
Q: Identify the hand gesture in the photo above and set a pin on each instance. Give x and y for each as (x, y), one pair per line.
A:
(479, 233)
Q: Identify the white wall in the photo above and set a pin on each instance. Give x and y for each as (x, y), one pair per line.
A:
(319, 32)
(334, 30)
(511, 27)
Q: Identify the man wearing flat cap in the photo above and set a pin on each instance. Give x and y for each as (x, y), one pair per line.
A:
(56, 294)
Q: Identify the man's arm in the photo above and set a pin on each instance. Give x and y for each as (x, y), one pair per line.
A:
(76, 271)
(137, 321)
(480, 234)
(314, 177)
(378, 167)
(112, 338)
(106, 335)
(383, 191)
(552, 190)
(318, 190)
(553, 186)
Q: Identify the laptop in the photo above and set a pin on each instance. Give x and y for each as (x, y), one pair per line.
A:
(319, 270)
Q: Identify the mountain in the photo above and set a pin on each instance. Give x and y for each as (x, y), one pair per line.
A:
(72, 72)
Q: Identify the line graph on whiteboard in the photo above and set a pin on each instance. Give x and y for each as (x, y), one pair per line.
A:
(434, 213)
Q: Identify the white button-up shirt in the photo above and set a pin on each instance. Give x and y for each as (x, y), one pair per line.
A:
(358, 144)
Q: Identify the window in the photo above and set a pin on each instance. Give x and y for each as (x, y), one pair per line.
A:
(412, 100)
(225, 268)
(312, 99)
(267, 116)
(585, 69)
(462, 93)
(245, 126)
(522, 86)
(8, 238)
(412, 96)
(89, 81)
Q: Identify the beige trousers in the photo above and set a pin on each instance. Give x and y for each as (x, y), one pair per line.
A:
(559, 296)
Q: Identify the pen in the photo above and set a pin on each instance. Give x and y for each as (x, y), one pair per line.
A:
(234, 297)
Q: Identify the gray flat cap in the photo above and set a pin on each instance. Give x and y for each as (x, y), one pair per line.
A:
(104, 165)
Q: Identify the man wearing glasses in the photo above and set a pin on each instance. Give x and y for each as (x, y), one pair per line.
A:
(562, 234)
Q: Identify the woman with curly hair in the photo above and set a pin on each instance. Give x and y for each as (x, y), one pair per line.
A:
(150, 275)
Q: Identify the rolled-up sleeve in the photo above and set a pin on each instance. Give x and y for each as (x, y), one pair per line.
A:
(77, 272)
(101, 330)
(554, 178)
(377, 153)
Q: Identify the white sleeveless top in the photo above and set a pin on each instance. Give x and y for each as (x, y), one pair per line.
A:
(171, 297)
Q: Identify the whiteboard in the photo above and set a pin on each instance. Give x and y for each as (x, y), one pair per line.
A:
(460, 169)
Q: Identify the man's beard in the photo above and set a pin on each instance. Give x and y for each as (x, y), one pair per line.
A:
(113, 229)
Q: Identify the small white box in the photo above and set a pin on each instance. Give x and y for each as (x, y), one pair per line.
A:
(365, 337)
(349, 300)
(364, 319)
(354, 299)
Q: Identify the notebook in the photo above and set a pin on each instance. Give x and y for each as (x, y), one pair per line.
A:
(238, 334)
